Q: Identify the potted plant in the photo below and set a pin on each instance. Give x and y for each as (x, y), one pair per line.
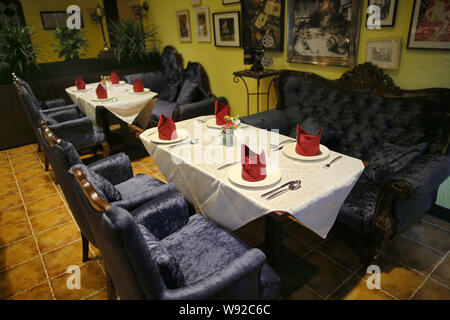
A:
(130, 39)
(17, 52)
(228, 130)
(72, 44)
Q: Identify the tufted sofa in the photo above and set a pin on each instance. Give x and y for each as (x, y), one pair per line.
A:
(402, 137)
(182, 93)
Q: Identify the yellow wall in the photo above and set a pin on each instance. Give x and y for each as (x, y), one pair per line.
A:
(45, 38)
(418, 68)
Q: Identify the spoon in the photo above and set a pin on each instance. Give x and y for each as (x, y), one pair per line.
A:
(193, 141)
(294, 185)
(333, 161)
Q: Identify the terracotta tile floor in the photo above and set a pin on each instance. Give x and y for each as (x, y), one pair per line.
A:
(39, 239)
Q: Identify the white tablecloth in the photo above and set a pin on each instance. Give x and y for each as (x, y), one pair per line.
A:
(126, 106)
(316, 204)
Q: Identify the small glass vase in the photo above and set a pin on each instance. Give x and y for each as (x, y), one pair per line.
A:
(227, 137)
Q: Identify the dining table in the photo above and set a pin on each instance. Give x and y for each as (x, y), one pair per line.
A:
(195, 161)
(122, 102)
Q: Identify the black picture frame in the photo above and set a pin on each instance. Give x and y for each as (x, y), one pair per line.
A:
(259, 27)
(237, 24)
(385, 22)
(420, 7)
(230, 2)
(53, 19)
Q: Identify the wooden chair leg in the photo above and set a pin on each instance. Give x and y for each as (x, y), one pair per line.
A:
(106, 149)
(85, 246)
(46, 163)
(110, 289)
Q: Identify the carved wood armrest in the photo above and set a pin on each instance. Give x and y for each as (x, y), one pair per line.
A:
(90, 193)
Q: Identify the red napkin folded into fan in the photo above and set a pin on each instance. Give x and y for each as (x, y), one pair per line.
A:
(138, 86)
(166, 128)
(221, 111)
(79, 82)
(114, 78)
(101, 92)
(307, 145)
(253, 165)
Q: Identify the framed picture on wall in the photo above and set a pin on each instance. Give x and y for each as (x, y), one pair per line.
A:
(226, 29)
(324, 32)
(184, 28)
(53, 19)
(224, 2)
(384, 53)
(429, 27)
(263, 23)
(388, 11)
(202, 24)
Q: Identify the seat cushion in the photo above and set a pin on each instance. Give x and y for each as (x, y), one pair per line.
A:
(391, 158)
(140, 183)
(188, 92)
(359, 207)
(202, 248)
(103, 187)
(168, 266)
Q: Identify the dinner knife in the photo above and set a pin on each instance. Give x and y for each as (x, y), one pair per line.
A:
(274, 190)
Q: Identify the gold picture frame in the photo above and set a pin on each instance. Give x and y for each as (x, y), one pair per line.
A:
(184, 26)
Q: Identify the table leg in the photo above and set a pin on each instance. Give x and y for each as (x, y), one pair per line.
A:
(292, 269)
(274, 237)
(101, 116)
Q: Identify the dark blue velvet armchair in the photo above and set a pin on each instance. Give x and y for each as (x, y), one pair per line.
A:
(67, 122)
(134, 190)
(183, 94)
(156, 251)
(400, 135)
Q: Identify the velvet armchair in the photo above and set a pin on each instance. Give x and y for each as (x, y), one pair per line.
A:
(156, 251)
(66, 122)
(117, 168)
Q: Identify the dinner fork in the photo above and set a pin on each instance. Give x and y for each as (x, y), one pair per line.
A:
(204, 120)
(275, 146)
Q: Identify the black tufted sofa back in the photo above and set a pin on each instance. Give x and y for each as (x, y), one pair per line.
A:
(357, 121)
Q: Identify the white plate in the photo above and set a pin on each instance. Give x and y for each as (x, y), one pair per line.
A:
(211, 123)
(103, 100)
(235, 176)
(74, 89)
(130, 91)
(289, 150)
(181, 135)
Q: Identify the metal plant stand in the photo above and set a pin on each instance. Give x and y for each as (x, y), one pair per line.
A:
(258, 75)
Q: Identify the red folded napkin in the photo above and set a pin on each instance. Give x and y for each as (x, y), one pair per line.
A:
(79, 82)
(166, 128)
(114, 78)
(138, 86)
(101, 92)
(253, 165)
(307, 145)
(221, 111)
